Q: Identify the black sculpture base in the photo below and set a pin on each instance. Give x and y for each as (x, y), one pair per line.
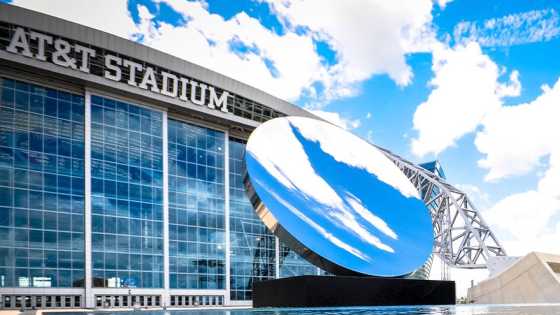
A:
(321, 291)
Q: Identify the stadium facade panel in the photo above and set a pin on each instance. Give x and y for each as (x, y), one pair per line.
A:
(121, 174)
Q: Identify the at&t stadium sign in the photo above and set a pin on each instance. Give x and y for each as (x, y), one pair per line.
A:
(78, 57)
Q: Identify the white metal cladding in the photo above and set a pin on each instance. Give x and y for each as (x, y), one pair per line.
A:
(462, 237)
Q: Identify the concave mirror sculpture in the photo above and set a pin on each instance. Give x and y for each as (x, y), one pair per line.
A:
(335, 199)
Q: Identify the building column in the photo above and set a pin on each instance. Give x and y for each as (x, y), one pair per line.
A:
(276, 257)
(165, 297)
(88, 294)
(226, 216)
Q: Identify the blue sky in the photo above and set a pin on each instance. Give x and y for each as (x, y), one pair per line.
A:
(469, 82)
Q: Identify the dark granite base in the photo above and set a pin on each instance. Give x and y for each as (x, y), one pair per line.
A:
(320, 291)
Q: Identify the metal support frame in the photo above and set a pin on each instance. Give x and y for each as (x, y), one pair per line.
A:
(461, 236)
(227, 228)
(165, 165)
(88, 276)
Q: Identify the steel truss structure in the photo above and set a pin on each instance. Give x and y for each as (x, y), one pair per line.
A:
(461, 236)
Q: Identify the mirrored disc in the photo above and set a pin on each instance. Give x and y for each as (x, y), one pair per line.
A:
(335, 199)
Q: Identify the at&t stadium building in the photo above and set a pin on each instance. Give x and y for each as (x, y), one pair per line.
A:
(121, 174)
(122, 177)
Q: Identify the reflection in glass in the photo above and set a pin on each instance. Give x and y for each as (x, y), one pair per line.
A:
(252, 245)
(41, 186)
(291, 264)
(196, 207)
(127, 195)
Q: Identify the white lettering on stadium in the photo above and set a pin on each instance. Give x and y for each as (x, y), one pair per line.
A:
(171, 86)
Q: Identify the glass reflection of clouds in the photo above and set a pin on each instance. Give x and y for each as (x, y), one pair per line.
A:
(346, 206)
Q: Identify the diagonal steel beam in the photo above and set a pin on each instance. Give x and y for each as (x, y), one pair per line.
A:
(462, 237)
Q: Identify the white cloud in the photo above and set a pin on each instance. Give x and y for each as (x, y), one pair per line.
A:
(515, 29)
(287, 65)
(526, 217)
(284, 65)
(468, 95)
(478, 196)
(359, 154)
(111, 16)
(466, 88)
(549, 184)
(515, 139)
(369, 136)
(318, 228)
(337, 119)
(374, 220)
(348, 220)
(512, 88)
(531, 218)
(370, 38)
(442, 3)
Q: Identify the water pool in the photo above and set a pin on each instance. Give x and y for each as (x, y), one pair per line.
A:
(518, 309)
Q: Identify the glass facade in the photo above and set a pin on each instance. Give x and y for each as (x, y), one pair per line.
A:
(42, 199)
(291, 264)
(252, 246)
(41, 187)
(196, 207)
(127, 195)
